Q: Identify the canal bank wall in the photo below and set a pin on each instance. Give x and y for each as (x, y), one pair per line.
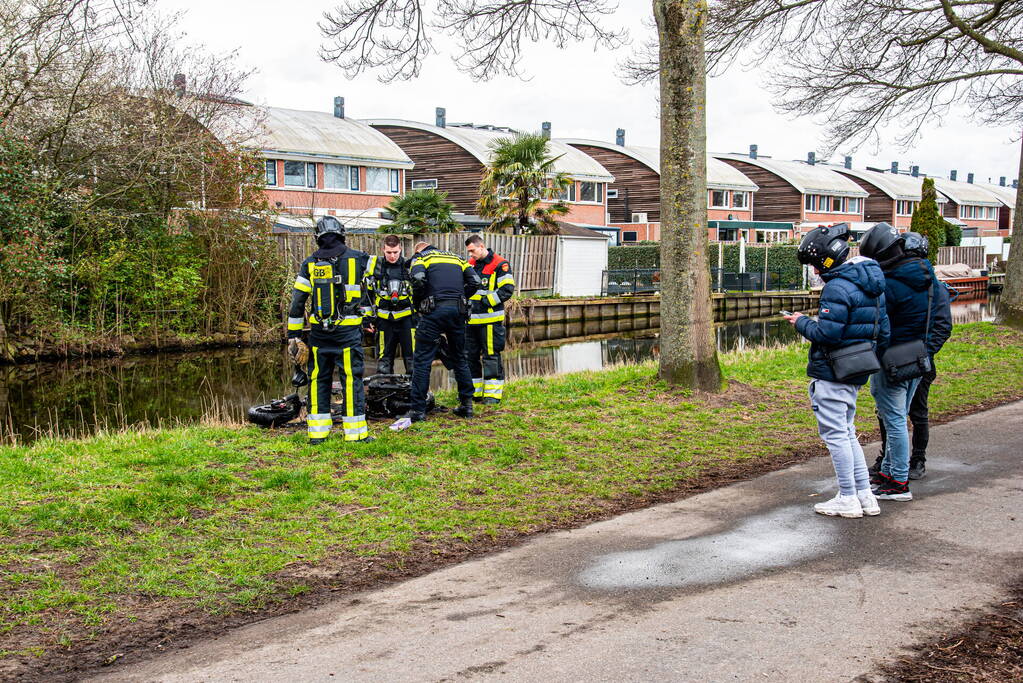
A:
(727, 307)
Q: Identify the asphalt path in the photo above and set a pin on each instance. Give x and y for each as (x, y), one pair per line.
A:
(743, 583)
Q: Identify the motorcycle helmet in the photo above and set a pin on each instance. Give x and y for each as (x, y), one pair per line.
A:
(879, 240)
(915, 244)
(825, 248)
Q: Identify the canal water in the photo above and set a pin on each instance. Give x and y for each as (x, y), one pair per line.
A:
(76, 396)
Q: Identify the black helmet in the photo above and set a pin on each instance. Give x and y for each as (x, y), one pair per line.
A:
(825, 248)
(328, 224)
(879, 239)
(916, 244)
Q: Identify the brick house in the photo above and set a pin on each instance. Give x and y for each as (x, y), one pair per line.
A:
(893, 196)
(453, 158)
(802, 192)
(1006, 194)
(319, 164)
(634, 199)
(971, 206)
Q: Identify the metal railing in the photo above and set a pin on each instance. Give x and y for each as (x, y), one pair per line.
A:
(631, 281)
(723, 280)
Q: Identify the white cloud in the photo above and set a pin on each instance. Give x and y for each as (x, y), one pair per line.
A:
(576, 89)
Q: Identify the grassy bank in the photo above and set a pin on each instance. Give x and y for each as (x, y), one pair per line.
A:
(121, 538)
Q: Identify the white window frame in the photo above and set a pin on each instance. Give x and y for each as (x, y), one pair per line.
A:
(634, 233)
(724, 197)
(270, 163)
(612, 193)
(380, 174)
(305, 174)
(425, 184)
(346, 176)
(395, 180)
(597, 194)
(745, 200)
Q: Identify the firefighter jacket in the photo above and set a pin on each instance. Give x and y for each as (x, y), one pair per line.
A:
(390, 286)
(441, 275)
(498, 287)
(335, 287)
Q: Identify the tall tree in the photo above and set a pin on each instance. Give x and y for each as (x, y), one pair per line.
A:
(394, 35)
(867, 64)
(928, 221)
(521, 190)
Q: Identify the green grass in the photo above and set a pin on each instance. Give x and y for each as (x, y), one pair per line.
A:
(92, 531)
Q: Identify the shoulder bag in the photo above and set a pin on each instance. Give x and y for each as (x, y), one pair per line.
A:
(910, 360)
(856, 359)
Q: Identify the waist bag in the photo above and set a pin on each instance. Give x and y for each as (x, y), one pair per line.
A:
(856, 359)
(909, 360)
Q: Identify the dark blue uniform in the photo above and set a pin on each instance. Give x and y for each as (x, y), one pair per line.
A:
(441, 284)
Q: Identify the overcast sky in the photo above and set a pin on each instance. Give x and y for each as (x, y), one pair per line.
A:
(577, 89)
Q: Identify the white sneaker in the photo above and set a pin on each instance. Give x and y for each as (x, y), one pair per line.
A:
(868, 502)
(842, 506)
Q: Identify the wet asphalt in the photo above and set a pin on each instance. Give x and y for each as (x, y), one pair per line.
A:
(743, 583)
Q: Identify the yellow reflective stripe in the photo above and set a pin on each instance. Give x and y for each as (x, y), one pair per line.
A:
(490, 340)
(303, 286)
(485, 318)
(381, 355)
(409, 370)
(313, 389)
(394, 315)
(428, 261)
(505, 280)
(295, 323)
(348, 320)
(494, 299)
(476, 297)
(349, 384)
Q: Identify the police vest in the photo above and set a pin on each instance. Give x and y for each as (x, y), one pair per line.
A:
(487, 307)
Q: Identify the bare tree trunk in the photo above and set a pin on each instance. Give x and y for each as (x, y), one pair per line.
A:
(1012, 296)
(688, 354)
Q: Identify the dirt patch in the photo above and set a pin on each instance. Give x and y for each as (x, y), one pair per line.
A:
(987, 648)
(162, 625)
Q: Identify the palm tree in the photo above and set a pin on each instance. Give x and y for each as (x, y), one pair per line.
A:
(520, 190)
(421, 211)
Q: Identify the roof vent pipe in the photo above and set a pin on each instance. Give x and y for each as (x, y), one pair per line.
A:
(811, 158)
(179, 84)
(969, 177)
(895, 167)
(752, 151)
(1001, 181)
(848, 162)
(914, 171)
(442, 117)
(545, 130)
(339, 107)
(953, 174)
(620, 137)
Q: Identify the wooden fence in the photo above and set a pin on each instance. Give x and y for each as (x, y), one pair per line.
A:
(532, 257)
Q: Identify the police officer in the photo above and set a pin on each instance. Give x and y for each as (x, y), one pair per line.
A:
(486, 331)
(333, 277)
(441, 284)
(391, 289)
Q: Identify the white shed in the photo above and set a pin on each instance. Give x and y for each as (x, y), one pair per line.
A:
(581, 261)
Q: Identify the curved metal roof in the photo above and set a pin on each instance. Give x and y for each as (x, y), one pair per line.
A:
(1006, 195)
(896, 186)
(966, 193)
(321, 134)
(816, 179)
(720, 176)
(477, 141)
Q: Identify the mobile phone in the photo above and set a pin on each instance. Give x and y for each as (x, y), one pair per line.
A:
(786, 312)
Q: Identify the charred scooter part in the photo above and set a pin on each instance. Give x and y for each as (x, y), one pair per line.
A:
(280, 410)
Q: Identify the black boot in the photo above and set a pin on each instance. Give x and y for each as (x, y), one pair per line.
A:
(464, 410)
(876, 467)
(917, 469)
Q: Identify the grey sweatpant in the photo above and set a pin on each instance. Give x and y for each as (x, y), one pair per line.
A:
(834, 405)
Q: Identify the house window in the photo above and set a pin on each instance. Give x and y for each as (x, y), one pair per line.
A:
(395, 181)
(295, 174)
(377, 179)
(728, 234)
(739, 200)
(808, 202)
(336, 177)
(568, 194)
(612, 193)
(310, 175)
(600, 192)
(354, 174)
(271, 172)
(430, 184)
(991, 213)
(587, 192)
(630, 236)
(719, 199)
(905, 207)
(836, 205)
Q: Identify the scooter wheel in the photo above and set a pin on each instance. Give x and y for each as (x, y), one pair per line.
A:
(275, 413)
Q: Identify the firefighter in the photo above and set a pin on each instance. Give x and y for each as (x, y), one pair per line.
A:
(485, 335)
(391, 288)
(333, 278)
(441, 285)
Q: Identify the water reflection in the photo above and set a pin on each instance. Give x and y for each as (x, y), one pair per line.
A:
(75, 396)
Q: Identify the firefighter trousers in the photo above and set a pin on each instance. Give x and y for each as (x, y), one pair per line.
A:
(484, 344)
(444, 322)
(392, 335)
(344, 351)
